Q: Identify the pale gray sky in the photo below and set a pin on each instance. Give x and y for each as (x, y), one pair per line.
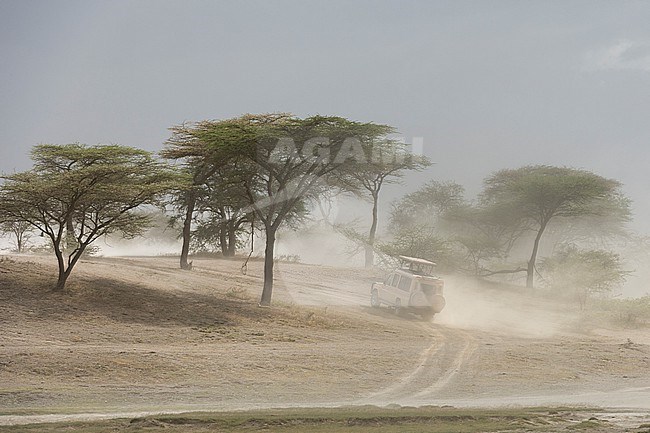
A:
(488, 84)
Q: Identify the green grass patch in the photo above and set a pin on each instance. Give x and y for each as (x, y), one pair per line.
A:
(347, 419)
(586, 425)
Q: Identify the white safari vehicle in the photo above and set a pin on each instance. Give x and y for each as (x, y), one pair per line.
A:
(411, 287)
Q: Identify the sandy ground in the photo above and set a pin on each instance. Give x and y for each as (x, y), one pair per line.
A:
(139, 335)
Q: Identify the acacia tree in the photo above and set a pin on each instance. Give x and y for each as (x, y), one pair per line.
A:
(200, 163)
(290, 160)
(20, 230)
(83, 193)
(388, 162)
(541, 194)
(417, 223)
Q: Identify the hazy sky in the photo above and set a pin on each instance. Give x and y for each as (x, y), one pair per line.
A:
(487, 84)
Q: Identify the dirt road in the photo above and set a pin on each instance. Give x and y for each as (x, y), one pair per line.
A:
(139, 335)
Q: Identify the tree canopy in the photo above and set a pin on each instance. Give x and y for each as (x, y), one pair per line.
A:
(418, 227)
(426, 205)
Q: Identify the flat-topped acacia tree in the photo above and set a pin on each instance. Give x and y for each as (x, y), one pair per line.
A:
(75, 194)
(288, 160)
(536, 195)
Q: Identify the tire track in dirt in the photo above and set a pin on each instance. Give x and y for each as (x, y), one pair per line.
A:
(402, 386)
(465, 347)
(437, 365)
(436, 368)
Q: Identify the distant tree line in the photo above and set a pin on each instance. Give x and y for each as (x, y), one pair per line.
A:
(223, 179)
(578, 211)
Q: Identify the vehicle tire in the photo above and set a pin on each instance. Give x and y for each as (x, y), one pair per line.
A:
(374, 299)
(398, 306)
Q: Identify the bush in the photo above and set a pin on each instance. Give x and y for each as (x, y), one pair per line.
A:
(630, 313)
(583, 272)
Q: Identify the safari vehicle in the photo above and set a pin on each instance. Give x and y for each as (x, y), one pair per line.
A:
(411, 287)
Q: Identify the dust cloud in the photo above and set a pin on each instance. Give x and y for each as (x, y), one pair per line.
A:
(141, 247)
(475, 305)
(471, 304)
(319, 245)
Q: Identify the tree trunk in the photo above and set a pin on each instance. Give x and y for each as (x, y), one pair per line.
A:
(64, 272)
(530, 271)
(187, 229)
(232, 239)
(63, 278)
(370, 252)
(267, 291)
(60, 283)
(223, 241)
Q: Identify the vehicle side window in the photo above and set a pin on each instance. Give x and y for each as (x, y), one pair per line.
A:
(404, 283)
(395, 280)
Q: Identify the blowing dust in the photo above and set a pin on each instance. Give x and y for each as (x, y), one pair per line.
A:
(475, 305)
